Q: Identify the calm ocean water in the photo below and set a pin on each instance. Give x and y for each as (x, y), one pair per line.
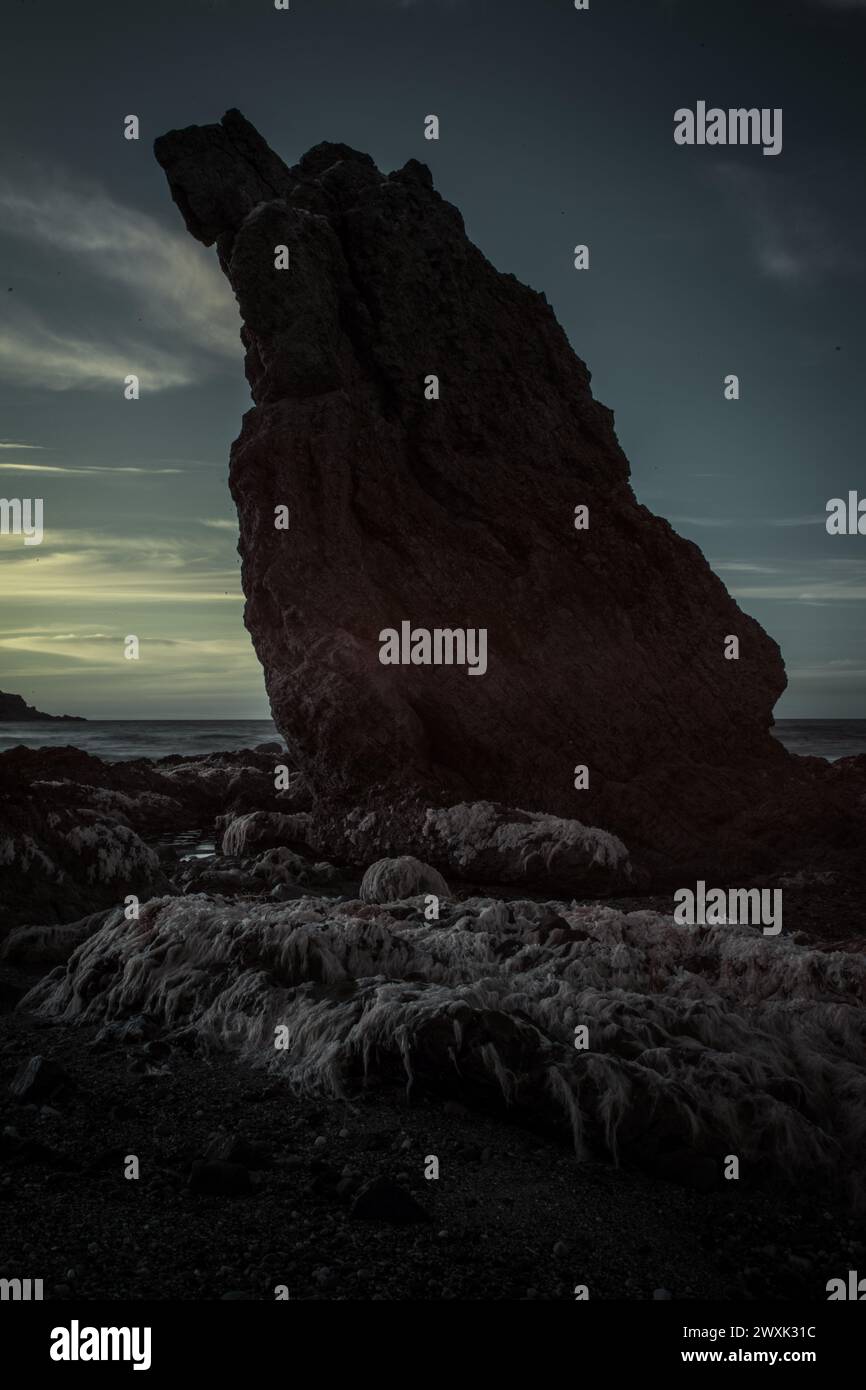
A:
(823, 738)
(115, 739)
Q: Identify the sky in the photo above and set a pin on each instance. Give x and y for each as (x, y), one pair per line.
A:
(556, 129)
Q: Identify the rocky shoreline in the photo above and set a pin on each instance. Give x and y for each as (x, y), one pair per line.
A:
(420, 1011)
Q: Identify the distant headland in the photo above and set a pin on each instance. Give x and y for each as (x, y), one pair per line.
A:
(14, 708)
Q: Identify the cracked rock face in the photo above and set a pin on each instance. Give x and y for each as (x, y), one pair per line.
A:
(605, 646)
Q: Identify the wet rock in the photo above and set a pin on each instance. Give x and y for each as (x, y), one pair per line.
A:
(492, 844)
(282, 865)
(73, 827)
(218, 876)
(259, 830)
(62, 863)
(390, 880)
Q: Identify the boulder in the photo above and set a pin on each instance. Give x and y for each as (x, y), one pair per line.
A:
(390, 880)
(259, 830)
(492, 844)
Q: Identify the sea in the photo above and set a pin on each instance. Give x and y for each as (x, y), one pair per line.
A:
(119, 739)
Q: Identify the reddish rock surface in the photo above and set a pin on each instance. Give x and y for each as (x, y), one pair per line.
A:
(605, 646)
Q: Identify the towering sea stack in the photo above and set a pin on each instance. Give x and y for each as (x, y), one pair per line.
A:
(605, 646)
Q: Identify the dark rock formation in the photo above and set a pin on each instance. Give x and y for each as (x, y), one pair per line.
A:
(71, 825)
(606, 645)
(13, 708)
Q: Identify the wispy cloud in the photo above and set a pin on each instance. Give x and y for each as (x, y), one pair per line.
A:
(6, 445)
(808, 587)
(740, 523)
(741, 567)
(219, 524)
(83, 471)
(842, 671)
(72, 567)
(32, 354)
(90, 669)
(818, 582)
(792, 237)
(172, 286)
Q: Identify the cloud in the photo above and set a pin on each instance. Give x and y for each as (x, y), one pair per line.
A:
(812, 519)
(186, 669)
(74, 567)
(173, 288)
(93, 468)
(792, 238)
(824, 581)
(808, 588)
(842, 669)
(185, 676)
(219, 524)
(32, 354)
(20, 446)
(741, 567)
